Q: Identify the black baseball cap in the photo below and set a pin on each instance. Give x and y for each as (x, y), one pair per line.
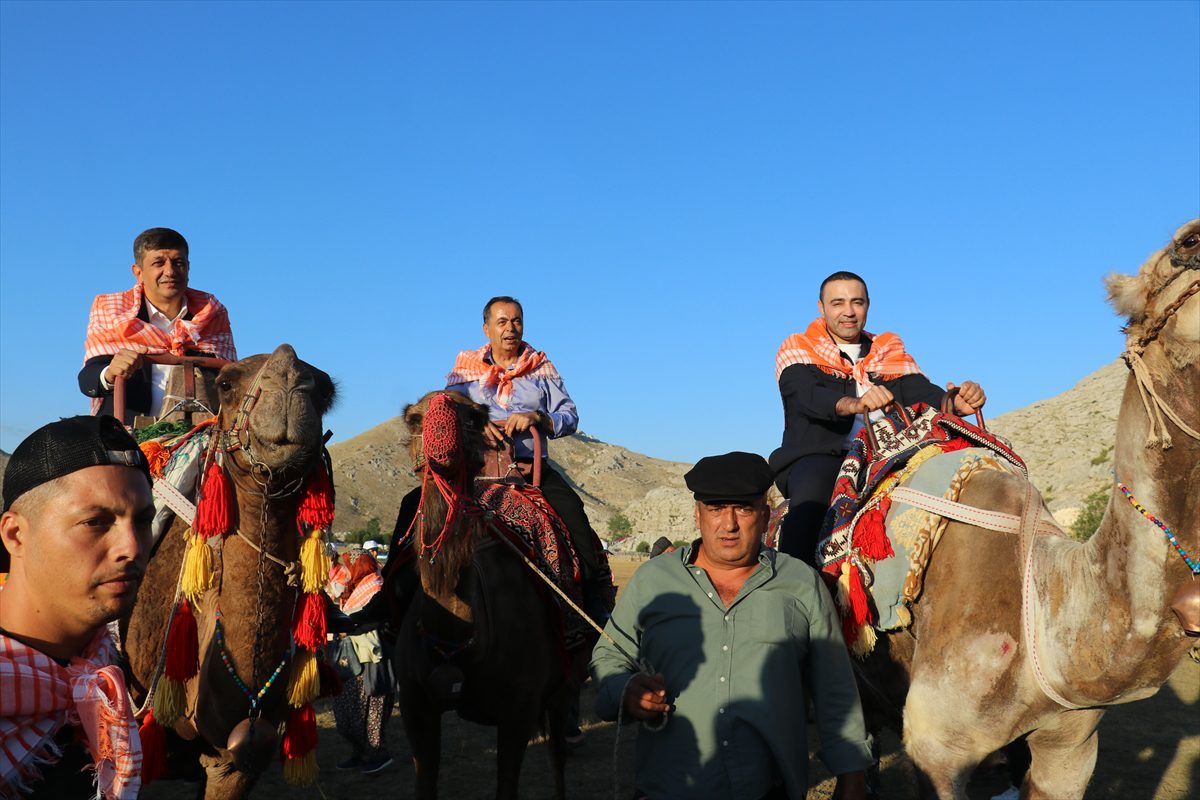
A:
(67, 446)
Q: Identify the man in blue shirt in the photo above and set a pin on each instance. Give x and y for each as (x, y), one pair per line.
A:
(523, 391)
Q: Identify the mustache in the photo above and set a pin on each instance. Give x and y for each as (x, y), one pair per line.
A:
(123, 575)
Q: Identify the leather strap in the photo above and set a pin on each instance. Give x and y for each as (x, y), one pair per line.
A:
(972, 515)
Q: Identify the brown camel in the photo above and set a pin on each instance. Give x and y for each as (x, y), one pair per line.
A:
(1104, 621)
(479, 637)
(281, 445)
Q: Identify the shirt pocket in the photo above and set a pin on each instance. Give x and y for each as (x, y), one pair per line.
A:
(771, 622)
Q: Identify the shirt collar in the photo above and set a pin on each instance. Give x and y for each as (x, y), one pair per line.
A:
(159, 318)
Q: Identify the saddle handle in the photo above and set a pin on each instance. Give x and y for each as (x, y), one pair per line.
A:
(948, 407)
(537, 455)
(189, 378)
(896, 406)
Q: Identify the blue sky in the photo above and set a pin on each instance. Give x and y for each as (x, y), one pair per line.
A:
(662, 185)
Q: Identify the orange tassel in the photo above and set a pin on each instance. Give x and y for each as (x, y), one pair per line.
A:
(859, 607)
(316, 507)
(156, 455)
(870, 534)
(212, 512)
(154, 749)
(308, 624)
(300, 736)
(183, 646)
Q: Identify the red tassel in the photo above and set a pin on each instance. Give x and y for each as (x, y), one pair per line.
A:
(316, 507)
(300, 737)
(183, 646)
(870, 534)
(331, 682)
(858, 597)
(154, 749)
(849, 631)
(308, 623)
(212, 512)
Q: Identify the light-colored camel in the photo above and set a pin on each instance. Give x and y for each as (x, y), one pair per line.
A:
(281, 444)
(1101, 613)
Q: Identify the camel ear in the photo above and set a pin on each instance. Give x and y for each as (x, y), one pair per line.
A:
(326, 394)
(413, 417)
(1125, 293)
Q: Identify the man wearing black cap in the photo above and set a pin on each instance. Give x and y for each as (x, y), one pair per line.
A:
(730, 628)
(76, 538)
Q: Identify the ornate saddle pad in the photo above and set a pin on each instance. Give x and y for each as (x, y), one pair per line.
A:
(525, 513)
(876, 551)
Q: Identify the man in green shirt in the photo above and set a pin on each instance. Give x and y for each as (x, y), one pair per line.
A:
(731, 628)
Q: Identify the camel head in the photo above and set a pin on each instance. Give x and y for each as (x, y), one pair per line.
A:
(1162, 282)
(275, 402)
(471, 420)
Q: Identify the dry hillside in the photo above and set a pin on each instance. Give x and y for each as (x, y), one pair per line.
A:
(1066, 441)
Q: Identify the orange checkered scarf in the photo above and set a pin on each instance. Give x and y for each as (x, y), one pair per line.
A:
(473, 365)
(113, 325)
(38, 697)
(815, 346)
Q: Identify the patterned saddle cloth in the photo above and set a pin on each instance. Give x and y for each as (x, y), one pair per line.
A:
(875, 551)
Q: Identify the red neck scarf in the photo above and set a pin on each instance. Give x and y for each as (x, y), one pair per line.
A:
(40, 696)
(474, 365)
(886, 360)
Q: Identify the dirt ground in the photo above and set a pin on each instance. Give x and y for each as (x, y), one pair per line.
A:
(1149, 749)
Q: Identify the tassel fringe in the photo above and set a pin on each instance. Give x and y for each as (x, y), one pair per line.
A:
(213, 511)
(170, 701)
(304, 685)
(183, 646)
(198, 573)
(154, 749)
(300, 771)
(316, 507)
(870, 534)
(308, 627)
(314, 562)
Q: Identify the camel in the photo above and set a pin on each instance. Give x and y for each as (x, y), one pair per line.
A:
(1104, 622)
(479, 637)
(281, 444)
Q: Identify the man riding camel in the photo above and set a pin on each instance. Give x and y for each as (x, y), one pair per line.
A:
(828, 376)
(160, 314)
(523, 391)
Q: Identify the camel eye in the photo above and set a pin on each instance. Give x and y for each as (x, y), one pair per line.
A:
(225, 386)
(1191, 241)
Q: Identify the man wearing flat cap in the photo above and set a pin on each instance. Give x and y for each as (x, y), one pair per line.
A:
(76, 538)
(726, 630)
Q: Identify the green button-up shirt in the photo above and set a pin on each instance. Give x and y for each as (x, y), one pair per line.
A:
(734, 677)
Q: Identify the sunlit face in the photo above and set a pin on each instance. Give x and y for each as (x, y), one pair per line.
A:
(164, 274)
(844, 306)
(731, 534)
(81, 555)
(504, 328)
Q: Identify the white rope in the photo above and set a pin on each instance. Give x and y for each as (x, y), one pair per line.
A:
(1154, 405)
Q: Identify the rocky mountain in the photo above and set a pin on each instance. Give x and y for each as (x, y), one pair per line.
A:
(1066, 441)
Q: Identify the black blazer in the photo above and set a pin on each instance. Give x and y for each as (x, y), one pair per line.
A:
(810, 422)
(137, 388)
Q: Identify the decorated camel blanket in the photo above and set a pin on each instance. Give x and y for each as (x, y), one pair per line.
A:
(876, 550)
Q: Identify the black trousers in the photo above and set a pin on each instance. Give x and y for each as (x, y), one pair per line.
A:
(810, 483)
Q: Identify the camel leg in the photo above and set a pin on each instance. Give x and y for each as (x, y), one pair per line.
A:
(423, 726)
(512, 739)
(556, 729)
(1064, 756)
(940, 740)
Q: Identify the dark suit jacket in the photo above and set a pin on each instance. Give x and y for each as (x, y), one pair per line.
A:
(811, 423)
(137, 388)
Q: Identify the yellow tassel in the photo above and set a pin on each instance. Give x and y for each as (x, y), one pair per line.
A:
(305, 682)
(300, 771)
(314, 562)
(865, 642)
(904, 616)
(843, 588)
(170, 701)
(198, 574)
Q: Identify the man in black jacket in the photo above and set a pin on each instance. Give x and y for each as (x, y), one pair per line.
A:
(160, 314)
(828, 377)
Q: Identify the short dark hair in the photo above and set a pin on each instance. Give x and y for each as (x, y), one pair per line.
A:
(842, 275)
(157, 239)
(487, 308)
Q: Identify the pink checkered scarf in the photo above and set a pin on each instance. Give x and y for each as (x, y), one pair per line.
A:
(38, 697)
(815, 346)
(473, 365)
(113, 325)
